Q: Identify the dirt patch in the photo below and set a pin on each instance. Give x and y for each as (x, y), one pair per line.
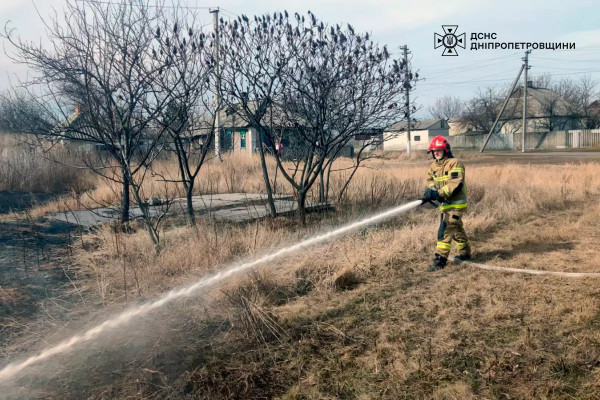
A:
(13, 201)
(35, 268)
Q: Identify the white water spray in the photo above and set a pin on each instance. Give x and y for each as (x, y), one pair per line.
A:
(12, 369)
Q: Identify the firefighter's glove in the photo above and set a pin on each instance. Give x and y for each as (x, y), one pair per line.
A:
(431, 195)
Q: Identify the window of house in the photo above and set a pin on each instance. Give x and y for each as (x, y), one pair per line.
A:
(228, 139)
(417, 138)
(243, 139)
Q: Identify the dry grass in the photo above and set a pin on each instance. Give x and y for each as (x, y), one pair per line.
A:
(235, 174)
(359, 317)
(27, 168)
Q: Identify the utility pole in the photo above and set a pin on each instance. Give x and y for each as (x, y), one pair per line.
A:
(406, 84)
(525, 68)
(512, 88)
(215, 14)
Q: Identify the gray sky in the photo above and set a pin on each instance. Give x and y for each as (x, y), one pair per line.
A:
(414, 23)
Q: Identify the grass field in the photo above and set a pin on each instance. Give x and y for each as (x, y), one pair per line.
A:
(355, 318)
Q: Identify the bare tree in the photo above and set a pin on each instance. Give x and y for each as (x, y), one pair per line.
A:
(327, 83)
(99, 57)
(339, 84)
(565, 104)
(551, 110)
(363, 153)
(579, 95)
(589, 95)
(189, 117)
(542, 81)
(253, 55)
(446, 107)
(559, 105)
(13, 105)
(481, 111)
(552, 114)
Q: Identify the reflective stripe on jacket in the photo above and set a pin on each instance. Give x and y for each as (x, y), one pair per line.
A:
(448, 177)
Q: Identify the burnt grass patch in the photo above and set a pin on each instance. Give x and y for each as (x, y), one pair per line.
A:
(35, 266)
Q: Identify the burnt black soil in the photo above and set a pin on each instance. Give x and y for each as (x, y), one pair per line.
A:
(34, 266)
(19, 201)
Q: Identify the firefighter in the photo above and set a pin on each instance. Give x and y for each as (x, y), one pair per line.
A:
(446, 184)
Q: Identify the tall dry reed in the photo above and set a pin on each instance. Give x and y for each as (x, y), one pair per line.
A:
(24, 167)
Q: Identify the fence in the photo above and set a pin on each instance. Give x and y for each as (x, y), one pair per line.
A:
(475, 141)
(571, 139)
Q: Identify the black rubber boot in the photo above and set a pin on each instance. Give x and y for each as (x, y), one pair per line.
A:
(439, 263)
(460, 258)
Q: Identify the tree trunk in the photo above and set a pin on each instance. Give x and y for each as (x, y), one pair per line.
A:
(266, 176)
(275, 180)
(144, 208)
(347, 183)
(322, 195)
(301, 206)
(125, 198)
(327, 182)
(190, 204)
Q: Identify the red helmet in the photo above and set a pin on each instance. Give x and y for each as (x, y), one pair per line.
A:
(439, 142)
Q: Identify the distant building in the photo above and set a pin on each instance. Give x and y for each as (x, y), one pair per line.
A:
(594, 106)
(368, 140)
(546, 111)
(75, 130)
(237, 135)
(456, 126)
(591, 119)
(421, 133)
(81, 131)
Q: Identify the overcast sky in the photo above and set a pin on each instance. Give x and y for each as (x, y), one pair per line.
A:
(414, 23)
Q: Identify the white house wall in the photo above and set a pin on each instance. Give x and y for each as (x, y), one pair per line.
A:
(397, 141)
(539, 124)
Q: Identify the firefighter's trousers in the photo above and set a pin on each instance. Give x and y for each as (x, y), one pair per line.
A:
(451, 228)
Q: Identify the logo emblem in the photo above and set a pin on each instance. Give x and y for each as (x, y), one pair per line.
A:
(449, 40)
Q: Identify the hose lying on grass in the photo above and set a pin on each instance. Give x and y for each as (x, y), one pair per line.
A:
(533, 271)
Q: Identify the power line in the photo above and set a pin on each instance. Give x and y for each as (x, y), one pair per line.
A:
(484, 78)
(565, 59)
(561, 68)
(441, 84)
(468, 63)
(114, 3)
(462, 69)
(229, 12)
(465, 82)
(589, 50)
(576, 73)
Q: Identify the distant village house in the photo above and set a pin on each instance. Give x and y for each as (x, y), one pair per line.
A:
(395, 136)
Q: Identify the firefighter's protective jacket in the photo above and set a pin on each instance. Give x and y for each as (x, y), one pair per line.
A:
(448, 177)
